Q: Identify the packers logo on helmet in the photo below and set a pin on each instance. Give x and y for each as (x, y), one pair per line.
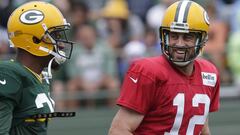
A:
(206, 17)
(184, 16)
(31, 17)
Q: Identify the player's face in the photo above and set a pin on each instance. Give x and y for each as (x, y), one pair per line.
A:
(182, 45)
(60, 41)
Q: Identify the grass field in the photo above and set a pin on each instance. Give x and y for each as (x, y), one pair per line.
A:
(97, 121)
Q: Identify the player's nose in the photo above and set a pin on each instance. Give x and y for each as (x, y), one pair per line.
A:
(180, 41)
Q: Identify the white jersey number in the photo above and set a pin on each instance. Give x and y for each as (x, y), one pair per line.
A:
(43, 98)
(196, 119)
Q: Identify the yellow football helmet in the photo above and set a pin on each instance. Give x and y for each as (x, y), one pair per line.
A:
(184, 16)
(40, 29)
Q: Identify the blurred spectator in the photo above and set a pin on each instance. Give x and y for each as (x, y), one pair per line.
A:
(79, 15)
(94, 6)
(155, 14)
(233, 55)
(233, 47)
(59, 88)
(224, 9)
(92, 66)
(136, 49)
(132, 51)
(118, 23)
(118, 26)
(140, 7)
(151, 41)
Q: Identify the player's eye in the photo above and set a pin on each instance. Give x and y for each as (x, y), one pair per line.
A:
(173, 36)
(189, 37)
(57, 35)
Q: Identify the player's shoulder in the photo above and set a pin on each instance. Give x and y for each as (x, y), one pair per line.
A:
(206, 65)
(10, 79)
(149, 66)
(147, 63)
(9, 65)
(11, 68)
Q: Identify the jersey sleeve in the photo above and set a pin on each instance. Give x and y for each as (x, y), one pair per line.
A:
(137, 90)
(9, 86)
(6, 109)
(215, 99)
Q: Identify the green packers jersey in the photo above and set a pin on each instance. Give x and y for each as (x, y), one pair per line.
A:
(22, 95)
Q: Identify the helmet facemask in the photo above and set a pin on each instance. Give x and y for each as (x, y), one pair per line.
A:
(189, 52)
(57, 36)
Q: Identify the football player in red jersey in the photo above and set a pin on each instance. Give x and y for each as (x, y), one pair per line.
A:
(171, 94)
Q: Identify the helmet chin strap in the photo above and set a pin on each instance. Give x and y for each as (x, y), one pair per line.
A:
(178, 63)
(57, 58)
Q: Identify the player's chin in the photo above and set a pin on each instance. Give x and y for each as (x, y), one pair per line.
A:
(182, 56)
(178, 57)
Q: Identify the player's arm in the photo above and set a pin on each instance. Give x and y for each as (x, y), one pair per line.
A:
(125, 122)
(6, 109)
(9, 96)
(205, 130)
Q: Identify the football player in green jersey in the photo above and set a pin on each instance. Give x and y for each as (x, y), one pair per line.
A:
(38, 31)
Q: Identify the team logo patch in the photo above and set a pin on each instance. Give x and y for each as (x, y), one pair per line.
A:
(31, 17)
(206, 18)
(209, 79)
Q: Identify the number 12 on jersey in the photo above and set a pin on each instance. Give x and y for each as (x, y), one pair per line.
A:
(196, 119)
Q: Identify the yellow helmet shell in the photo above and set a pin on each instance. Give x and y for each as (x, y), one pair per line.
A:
(186, 15)
(27, 22)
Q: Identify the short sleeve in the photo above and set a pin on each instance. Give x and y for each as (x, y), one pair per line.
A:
(215, 99)
(137, 90)
(9, 86)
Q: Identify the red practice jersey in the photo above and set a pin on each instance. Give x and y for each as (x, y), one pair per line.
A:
(171, 102)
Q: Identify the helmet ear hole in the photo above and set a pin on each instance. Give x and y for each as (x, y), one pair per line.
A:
(36, 40)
